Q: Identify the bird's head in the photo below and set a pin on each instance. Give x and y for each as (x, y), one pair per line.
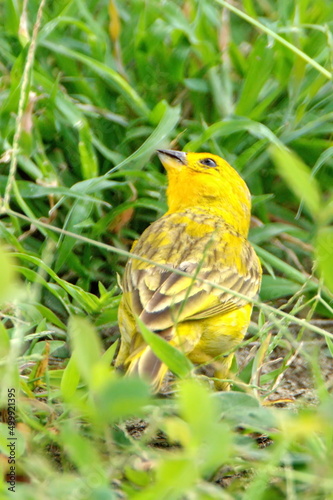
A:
(207, 181)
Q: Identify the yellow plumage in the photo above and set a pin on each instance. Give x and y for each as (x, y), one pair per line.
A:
(203, 233)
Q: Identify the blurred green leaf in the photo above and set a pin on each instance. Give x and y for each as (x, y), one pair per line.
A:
(266, 232)
(86, 345)
(32, 190)
(110, 76)
(176, 361)
(83, 452)
(284, 267)
(141, 478)
(260, 63)
(298, 178)
(275, 287)
(89, 162)
(50, 316)
(8, 444)
(79, 213)
(245, 411)
(87, 300)
(227, 127)
(122, 398)
(324, 252)
(4, 341)
(210, 437)
(70, 379)
(168, 121)
(109, 353)
(7, 275)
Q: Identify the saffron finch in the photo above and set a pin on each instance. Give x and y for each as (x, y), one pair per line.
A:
(204, 233)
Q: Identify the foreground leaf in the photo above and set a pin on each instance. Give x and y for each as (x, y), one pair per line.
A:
(298, 177)
(176, 361)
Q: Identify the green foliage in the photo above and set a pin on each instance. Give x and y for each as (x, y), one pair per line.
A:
(7, 275)
(87, 96)
(176, 361)
(325, 254)
(298, 177)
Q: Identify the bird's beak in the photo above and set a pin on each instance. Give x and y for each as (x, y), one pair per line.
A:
(170, 158)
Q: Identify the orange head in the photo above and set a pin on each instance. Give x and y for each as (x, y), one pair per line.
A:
(206, 181)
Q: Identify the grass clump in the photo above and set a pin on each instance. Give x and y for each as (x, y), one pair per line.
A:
(89, 90)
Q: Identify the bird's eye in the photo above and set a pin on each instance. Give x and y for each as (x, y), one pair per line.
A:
(208, 162)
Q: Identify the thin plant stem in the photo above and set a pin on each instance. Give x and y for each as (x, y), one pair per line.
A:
(265, 307)
(21, 107)
(277, 37)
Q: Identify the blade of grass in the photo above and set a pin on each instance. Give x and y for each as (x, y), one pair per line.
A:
(108, 74)
(176, 361)
(23, 96)
(276, 37)
(110, 248)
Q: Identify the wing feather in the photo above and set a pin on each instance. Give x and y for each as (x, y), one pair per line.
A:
(220, 255)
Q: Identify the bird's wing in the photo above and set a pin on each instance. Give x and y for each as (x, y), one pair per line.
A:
(207, 250)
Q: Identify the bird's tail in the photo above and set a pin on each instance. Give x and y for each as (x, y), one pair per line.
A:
(148, 366)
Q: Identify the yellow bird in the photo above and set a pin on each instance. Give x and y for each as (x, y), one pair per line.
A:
(204, 233)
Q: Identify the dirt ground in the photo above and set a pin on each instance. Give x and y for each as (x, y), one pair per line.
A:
(294, 388)
(298, 382)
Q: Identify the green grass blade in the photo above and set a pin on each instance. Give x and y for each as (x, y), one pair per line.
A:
(172, 357)
(114, 79)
